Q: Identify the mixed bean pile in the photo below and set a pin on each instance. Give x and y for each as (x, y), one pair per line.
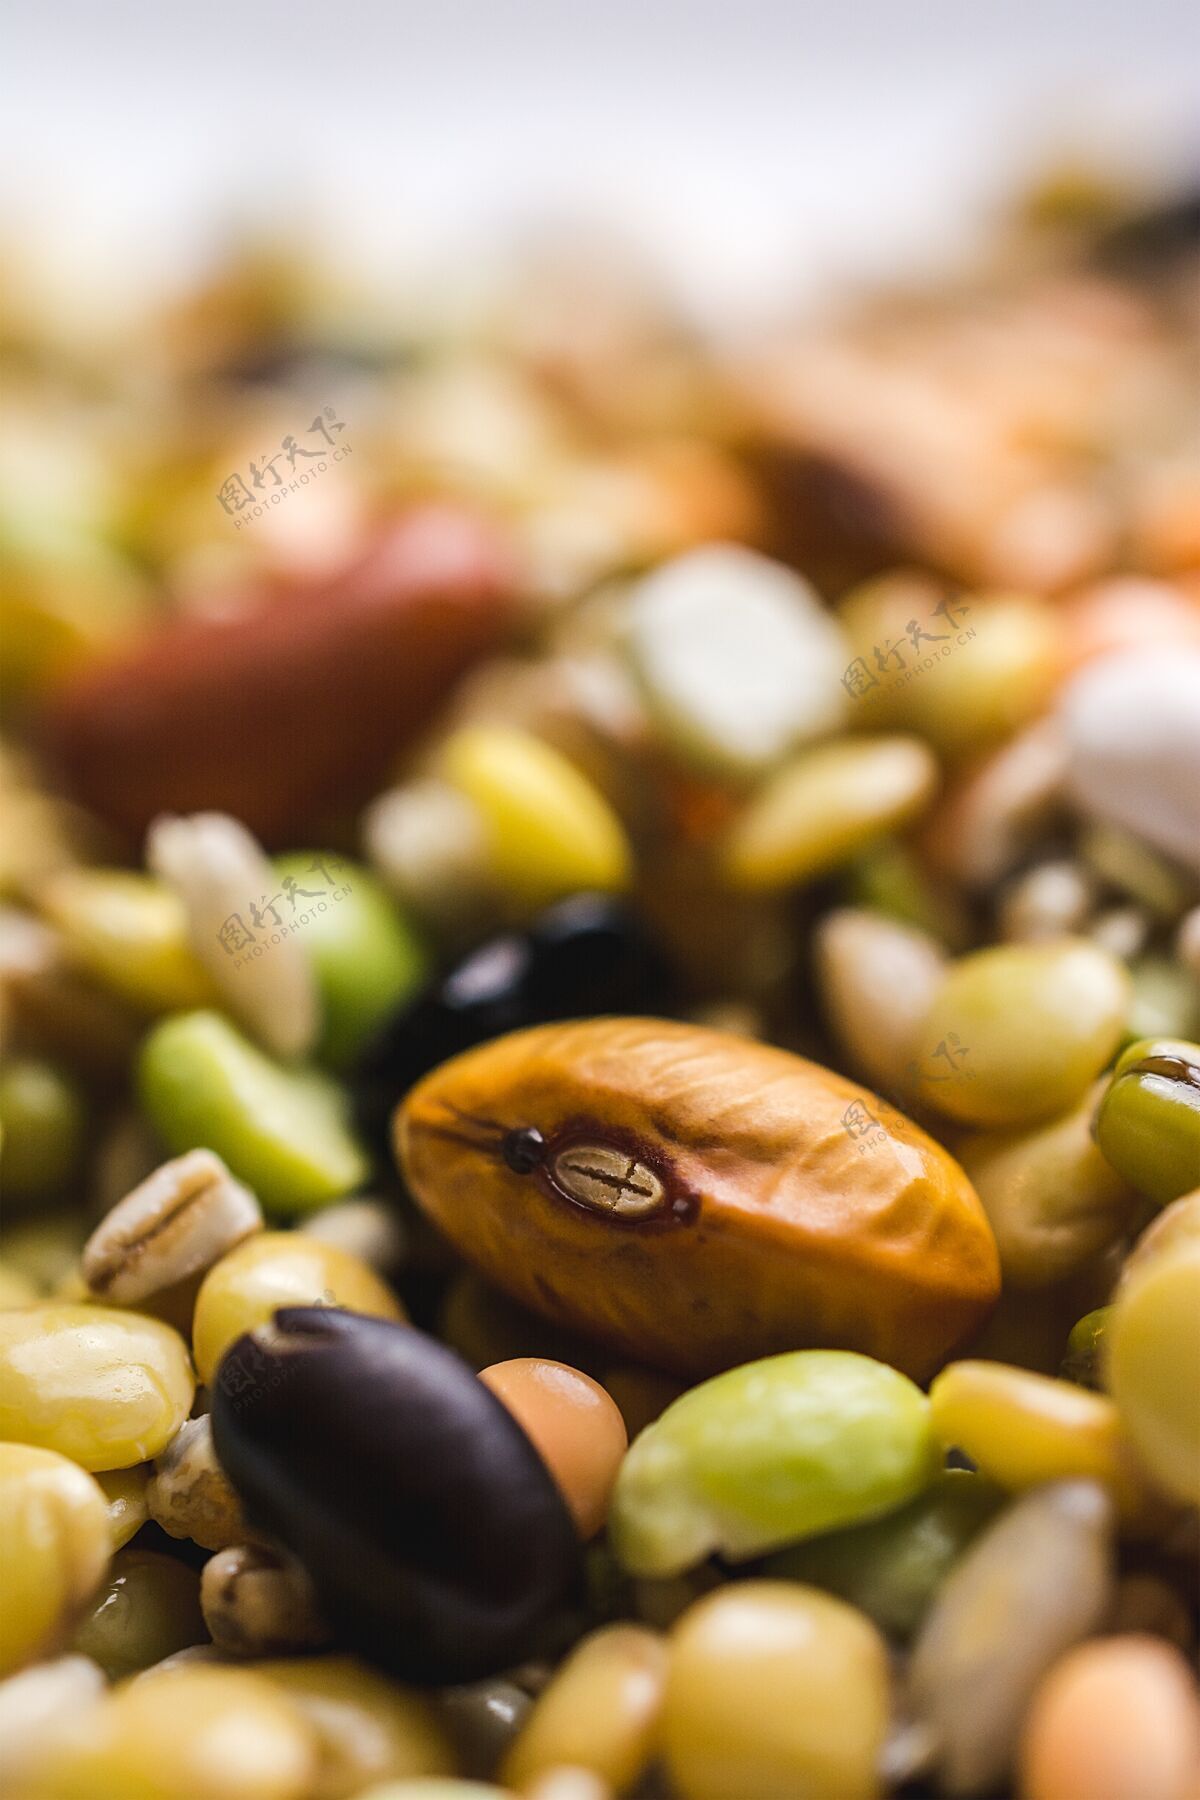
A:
(600, 981)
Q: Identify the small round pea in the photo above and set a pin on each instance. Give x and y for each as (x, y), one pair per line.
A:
(774, 1691)
(54, 1549)
(1117, 1716)
(600, 1711)
(1018, 1032)
(368, 1728)
(575, 1427)
(1153, 1356)
(148, 1608)
(106, 1388)
(279, 1268)
(41, 1127)
(1023, 1429)
(226, 1734)
(1148, 1123)
(769, 1453)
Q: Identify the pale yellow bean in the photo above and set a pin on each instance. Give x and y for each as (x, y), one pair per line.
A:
(600, 1712)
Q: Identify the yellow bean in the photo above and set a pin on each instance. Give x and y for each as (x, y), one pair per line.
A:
(1023, 1429)
(130, 933)
(279, 1268)
(775, 1690)
(600, 1711)
(550, 832)
(1153, 1365)
(106, 1388)
(368, 1728)
(54, 1549)
(125, 1492)
(190, 1732)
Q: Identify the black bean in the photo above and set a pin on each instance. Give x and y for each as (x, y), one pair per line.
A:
(586, 955)
(437, 1541)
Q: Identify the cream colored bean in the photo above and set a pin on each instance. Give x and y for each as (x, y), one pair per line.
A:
(1047, 902)
(878, 979)
(180, 1221)
(429, 843)
(106, 1388)
(1038, 1581)
(217, 869)
(35, 1706)
(575, 1426)
(773, 1691)
(1053, 1201)
(985, 823)
(190, 1495)
(1114, 1719)
(599, 1713)
(257, 1602)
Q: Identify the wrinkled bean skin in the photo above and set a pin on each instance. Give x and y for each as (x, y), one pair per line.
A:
(585, 955)
(436, 1539)
(770, 1231)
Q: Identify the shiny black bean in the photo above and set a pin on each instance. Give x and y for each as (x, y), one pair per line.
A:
(437, 1541)
(586, 955)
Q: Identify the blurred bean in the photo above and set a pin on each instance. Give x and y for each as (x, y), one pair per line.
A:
(429, 844)
(1166, 1000)
(1053, 1201)
(1019, 1032)
(54, 1549)
(891, 879)
(1153, 1355)
(368, 1729)
(35, 1706)
(482, 1720)
(826, 805)
(44, 1249)
(573, 1424)
(485, 1326)
(987, 820)
(769, 1453)
(892, 1568)
(129, 932)
(1086, 1349)
(1116, 1717)
(550, 832)
(878, 979)
(41, 1128)
(1176, 1227)
(281, 1130)
(600, 1712)
(1023, 1429)
(226, 1734)
(1188, 942)
(106, 1388)
(1049, 901)
(736, 658)
(1036, 1582)
(371, 1230)
(16, 1289)
(147, 1608)
(1148, 1123)
(1122, 931)
(774, 1691)
(279, 1268)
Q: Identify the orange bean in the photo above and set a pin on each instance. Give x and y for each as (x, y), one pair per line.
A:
(1116, 1719)
(576, 1428)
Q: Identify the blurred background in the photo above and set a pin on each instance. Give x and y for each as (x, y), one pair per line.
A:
(754, 151)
